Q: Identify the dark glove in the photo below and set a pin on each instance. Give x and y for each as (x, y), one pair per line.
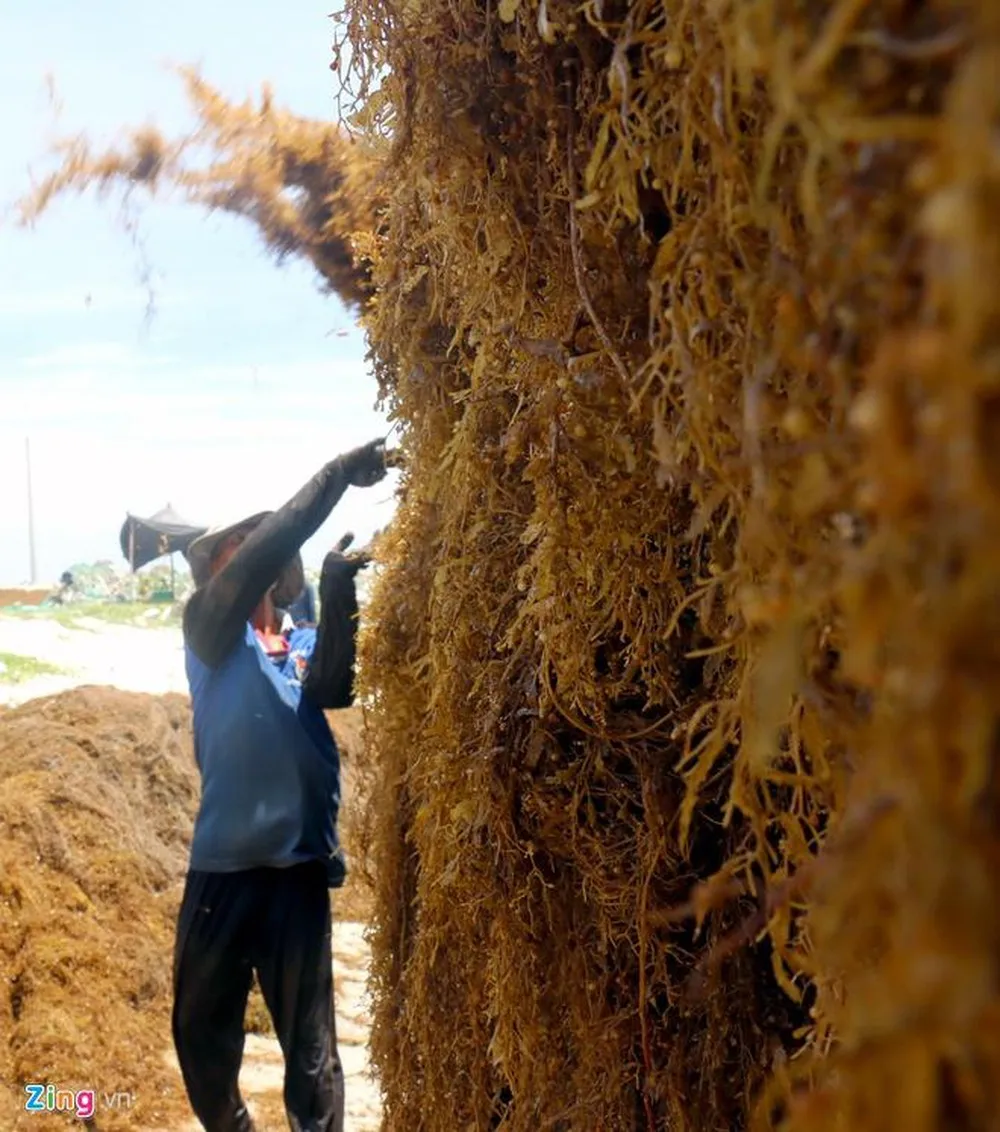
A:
(365, 466)
(352, 563)
(330, 681)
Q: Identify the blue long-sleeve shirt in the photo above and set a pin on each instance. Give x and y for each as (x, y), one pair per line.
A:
(269, 764)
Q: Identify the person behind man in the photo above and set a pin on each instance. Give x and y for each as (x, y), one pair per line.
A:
(295, 595)
(265, 850)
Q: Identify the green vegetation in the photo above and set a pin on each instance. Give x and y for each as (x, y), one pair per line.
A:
(77, 615)
(16, 669)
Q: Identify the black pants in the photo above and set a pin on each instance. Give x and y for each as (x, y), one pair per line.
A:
(275, 922)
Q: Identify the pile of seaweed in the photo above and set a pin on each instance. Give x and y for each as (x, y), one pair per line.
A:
(98, 789)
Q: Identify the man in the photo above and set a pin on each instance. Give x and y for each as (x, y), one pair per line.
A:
(265, 850)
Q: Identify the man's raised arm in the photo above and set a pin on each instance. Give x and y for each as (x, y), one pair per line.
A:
(218, 611)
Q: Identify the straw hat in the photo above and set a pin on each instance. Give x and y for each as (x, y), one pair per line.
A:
(201, 551)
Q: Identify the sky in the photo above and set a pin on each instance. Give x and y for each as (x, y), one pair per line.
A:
(246, 379)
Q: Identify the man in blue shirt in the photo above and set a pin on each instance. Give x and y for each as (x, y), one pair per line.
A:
(265, 850)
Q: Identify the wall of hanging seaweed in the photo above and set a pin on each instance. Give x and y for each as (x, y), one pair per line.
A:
(683, 661)
(684, 666)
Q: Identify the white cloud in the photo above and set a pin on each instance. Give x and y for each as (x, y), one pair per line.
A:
(82, 491)
(122, 417)
(81, 356)
(106, 440)
(28, 304)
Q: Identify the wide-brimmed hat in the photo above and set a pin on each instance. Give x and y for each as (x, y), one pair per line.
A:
(201, 551)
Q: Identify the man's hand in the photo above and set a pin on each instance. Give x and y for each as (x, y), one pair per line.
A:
(356, 561)
(365, 466)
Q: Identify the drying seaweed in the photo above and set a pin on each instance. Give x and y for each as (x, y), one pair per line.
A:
(686, 736)
(303, 184)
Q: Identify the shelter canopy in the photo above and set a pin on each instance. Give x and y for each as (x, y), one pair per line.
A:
(145, 540)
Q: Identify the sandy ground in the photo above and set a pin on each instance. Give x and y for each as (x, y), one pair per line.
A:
(133, 659)
(152, 660)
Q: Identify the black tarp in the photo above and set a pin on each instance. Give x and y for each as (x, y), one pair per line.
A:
(145, 540)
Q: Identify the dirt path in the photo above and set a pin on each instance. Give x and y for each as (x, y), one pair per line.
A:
(151, 660)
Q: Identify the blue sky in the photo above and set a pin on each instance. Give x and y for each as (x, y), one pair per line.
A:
(247, 378)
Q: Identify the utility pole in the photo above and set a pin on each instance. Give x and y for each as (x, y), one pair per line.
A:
(31, 512)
